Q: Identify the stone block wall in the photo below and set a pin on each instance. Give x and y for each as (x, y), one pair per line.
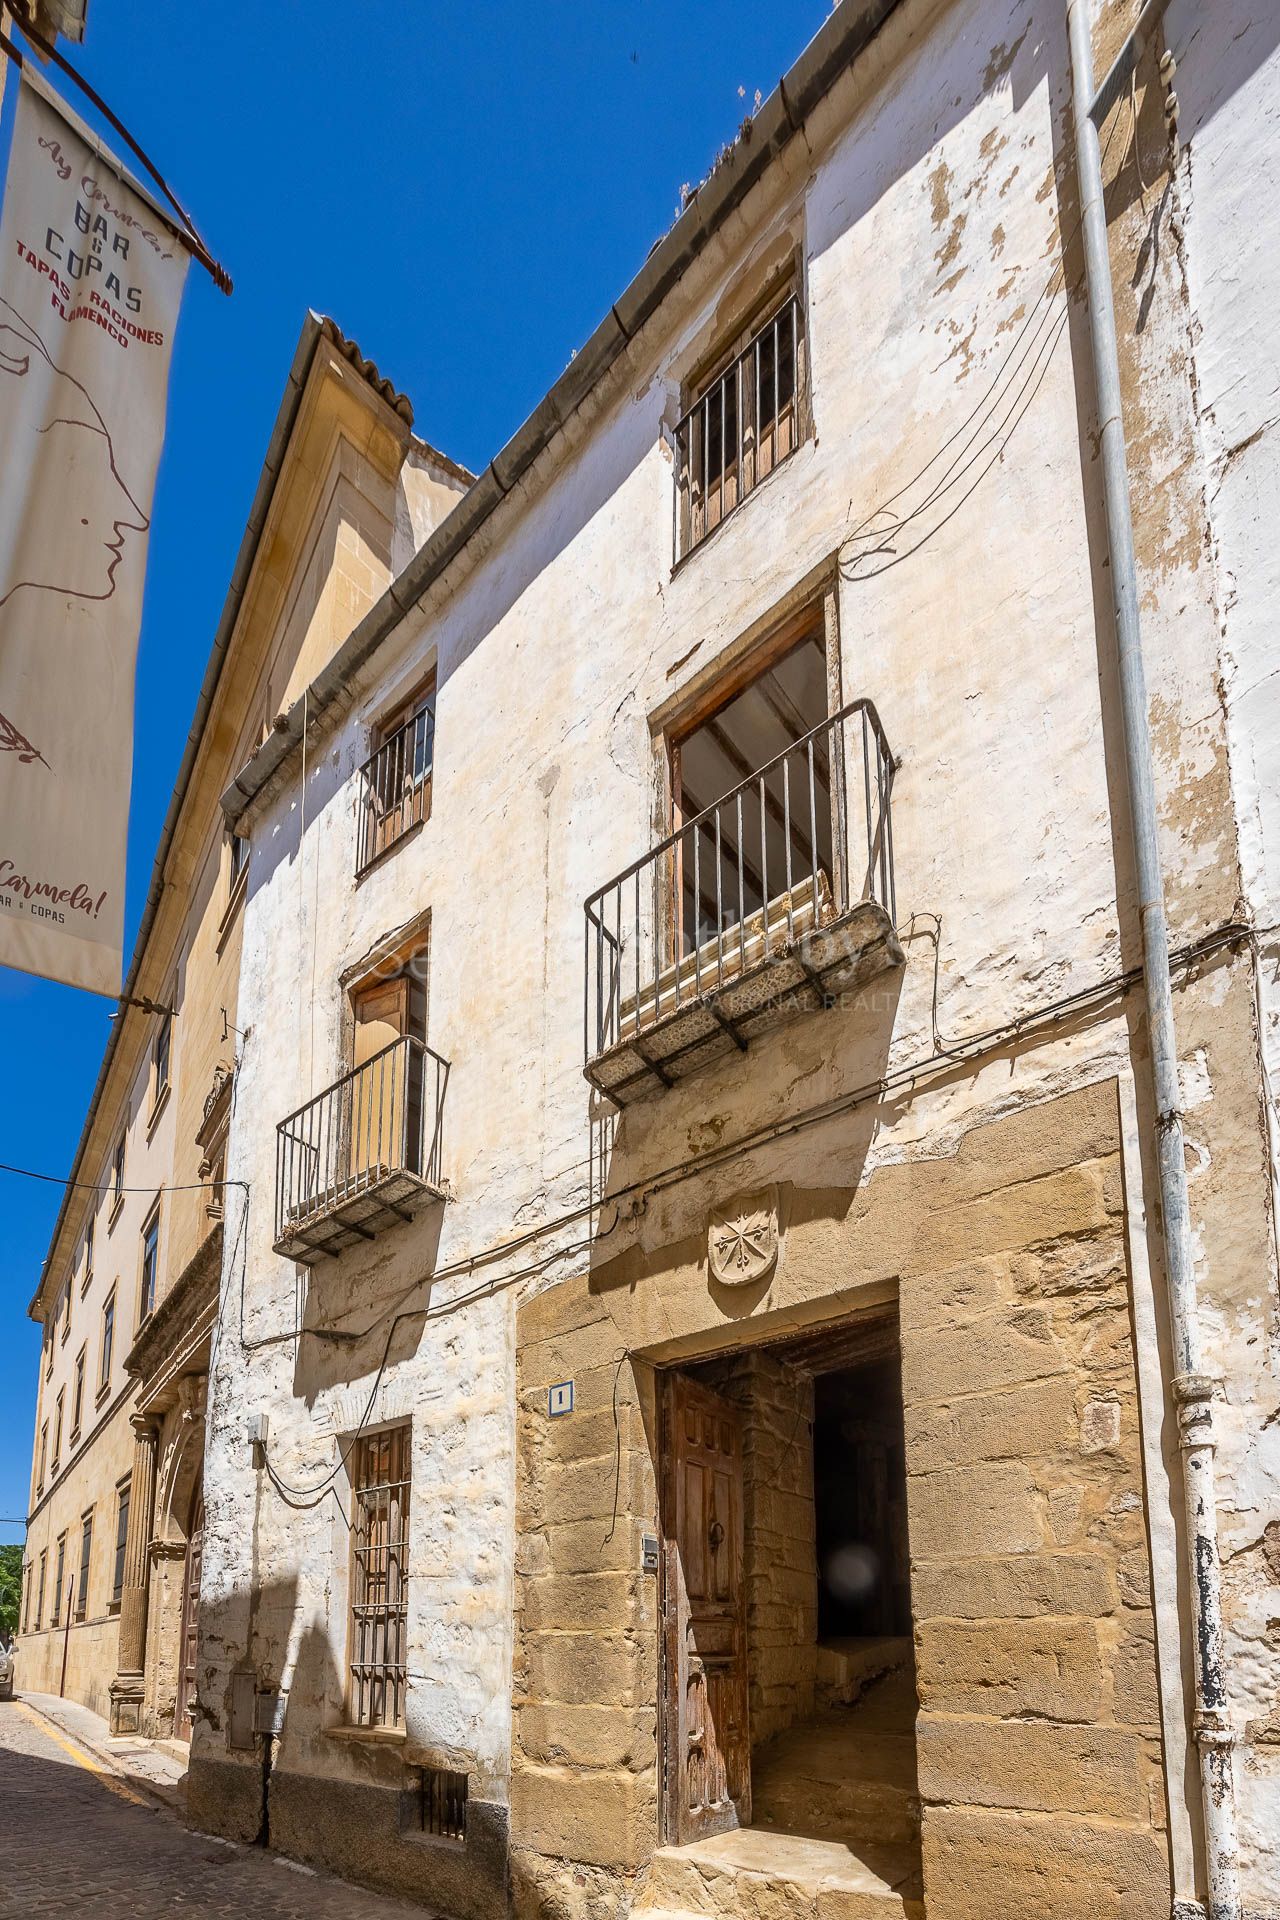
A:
(1039, 1730)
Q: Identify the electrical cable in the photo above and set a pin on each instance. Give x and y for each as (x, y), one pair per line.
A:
(1230, 934)
(872, 530)
(107, 1186)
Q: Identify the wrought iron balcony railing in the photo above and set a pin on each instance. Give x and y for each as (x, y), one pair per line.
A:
(777, 897)
(396, 786)
(742, 427)
(363, 1153)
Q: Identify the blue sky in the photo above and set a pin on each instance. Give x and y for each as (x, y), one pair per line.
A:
(465, 189)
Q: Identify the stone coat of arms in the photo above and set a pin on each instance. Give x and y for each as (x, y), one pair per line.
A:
(742, 1239)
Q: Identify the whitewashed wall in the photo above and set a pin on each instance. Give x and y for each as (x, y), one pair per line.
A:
(931, 227)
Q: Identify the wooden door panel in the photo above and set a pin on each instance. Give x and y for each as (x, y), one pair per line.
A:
(707, 1748)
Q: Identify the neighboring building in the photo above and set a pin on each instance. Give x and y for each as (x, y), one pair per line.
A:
(776, 1425)
(129, 1296)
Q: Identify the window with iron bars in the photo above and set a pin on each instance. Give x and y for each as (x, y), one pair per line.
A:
(743, 423)
(396, 778)
(379, 1577)
(435, 1802)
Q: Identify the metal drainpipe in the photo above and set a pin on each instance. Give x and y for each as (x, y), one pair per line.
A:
(1193, 1388)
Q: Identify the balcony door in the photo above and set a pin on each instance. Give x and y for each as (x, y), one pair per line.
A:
(385, 1126)
(751, 790)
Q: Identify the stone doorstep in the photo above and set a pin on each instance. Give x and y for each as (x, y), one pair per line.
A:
(846, 1667)
(154, 1768)
(752, 1874)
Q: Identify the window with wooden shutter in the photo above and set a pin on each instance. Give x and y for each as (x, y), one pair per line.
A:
(122, 1535)
(379, 1577)
(86, 1550)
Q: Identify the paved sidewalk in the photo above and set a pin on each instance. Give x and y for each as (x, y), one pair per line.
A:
(155, 1768)
(79, 1835)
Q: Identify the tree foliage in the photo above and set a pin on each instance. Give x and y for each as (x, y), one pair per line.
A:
(10, 1588)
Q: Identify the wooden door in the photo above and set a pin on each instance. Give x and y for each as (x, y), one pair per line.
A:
(706, 1749)
(190, 1622)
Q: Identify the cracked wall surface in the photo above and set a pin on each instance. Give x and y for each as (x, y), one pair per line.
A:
(949, 497)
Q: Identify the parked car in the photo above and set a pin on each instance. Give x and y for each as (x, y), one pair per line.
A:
(6, 1672)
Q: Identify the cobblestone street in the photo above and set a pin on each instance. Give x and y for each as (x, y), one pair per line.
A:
(76, 1840)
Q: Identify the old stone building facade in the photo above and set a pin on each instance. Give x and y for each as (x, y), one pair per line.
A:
(708, 1423)
(752, 1396)
(130, 1291)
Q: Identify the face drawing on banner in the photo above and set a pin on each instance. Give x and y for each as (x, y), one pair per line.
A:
(77, 551)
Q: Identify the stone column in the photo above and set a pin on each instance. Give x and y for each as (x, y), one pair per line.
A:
(127, 1687)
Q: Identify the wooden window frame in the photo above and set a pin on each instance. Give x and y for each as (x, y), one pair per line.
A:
(86, 1555)
(161, 1066)
(117, 1179)
(385, 822)
(785, 289)
(124, 1493)
(815, 616)
(77, 1394)
(106, 1350)
(60, 1567)
(150, 1227)
(377, 1629)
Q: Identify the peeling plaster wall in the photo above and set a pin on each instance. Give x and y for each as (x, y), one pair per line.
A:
(953, 465)
(1228, 200)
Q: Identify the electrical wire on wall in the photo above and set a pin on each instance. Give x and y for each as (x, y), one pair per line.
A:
(937, 1065)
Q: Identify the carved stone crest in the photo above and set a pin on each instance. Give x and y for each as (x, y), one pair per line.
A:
(742, 1239)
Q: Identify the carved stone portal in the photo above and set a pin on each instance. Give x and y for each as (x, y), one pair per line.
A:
(742, 1239)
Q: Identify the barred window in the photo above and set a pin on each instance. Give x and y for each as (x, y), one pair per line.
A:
(437, 1804)
(379, 1577)
(744, 417)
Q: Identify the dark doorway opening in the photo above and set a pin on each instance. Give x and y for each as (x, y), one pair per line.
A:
(789, 1697)
(860, 1503)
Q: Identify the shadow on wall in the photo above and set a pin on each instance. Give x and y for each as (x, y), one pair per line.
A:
(831, 1052)
(346, 1294)
(268, 1769)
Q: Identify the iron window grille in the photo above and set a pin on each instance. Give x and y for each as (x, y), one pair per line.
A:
(380, 1578)
(396, 784)
(441, 1803)
(742, 425)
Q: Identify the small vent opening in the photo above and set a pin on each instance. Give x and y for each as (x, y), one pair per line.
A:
(436, 1803)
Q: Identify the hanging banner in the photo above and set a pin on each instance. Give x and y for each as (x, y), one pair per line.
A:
(91, 279)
